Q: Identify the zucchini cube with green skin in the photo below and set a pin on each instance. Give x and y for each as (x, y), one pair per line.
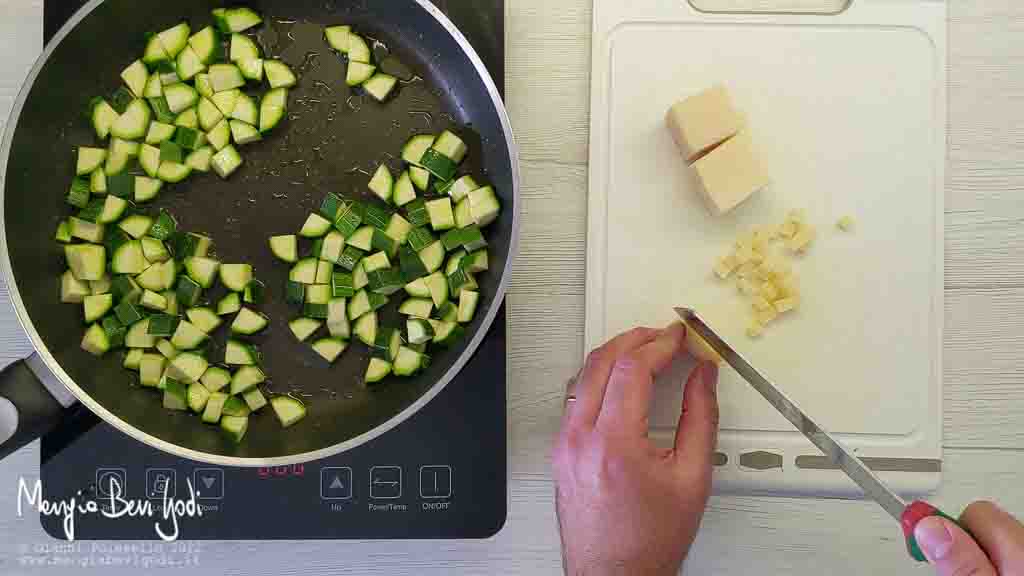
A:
(216, 379)
(246, 378)
(285, 248)
(151, 369)
(439, 165)
(484, 206)
(230, 20)
(188, 367)
(441, 215)
(226, 162)
(249, 322)
(337, 318)
(229, 304)
(236, 277)
(162, 325)
(86, 261)
(238, 353)
(350, 258)
(79, 194)
(349, 218)
(288, 410)
(330, 348)
(188, 291)
(410, 264)
(303, 328)
(198, 396)
(255, 399)
(189, 139)
(382, 184)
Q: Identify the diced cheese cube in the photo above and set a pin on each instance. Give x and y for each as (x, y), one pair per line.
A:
(701, 122)
(787, 230)
(769, 291)
(802, 240)
(730, 174)
(755, 330)
(766, 317)
(760, 304)
(846, 223)
(725, 266)
(785, 305)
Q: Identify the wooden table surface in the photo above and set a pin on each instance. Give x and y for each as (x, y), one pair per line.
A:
(548, 96)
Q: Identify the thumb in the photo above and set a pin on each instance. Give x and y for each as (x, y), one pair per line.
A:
(951, 550)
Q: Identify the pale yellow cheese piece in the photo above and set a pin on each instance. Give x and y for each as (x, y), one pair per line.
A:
(701, 122)
(700, 349)
(730, 174)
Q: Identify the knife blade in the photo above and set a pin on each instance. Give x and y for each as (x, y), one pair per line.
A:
(841, 456)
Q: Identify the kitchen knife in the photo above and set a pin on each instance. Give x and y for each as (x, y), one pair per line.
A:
(907, 515)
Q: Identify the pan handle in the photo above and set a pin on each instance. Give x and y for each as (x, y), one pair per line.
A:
(27, 409)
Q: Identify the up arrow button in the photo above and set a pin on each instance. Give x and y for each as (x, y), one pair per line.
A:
(336, 483)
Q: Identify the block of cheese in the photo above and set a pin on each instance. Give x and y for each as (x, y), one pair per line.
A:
(730, 174)
(703, 121)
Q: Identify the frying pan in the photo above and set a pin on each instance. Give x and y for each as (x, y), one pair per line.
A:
(331, 141)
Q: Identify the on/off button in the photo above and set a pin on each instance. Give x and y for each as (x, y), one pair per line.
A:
(435, 482)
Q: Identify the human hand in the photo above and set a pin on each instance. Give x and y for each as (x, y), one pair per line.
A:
(997, 548)
(626, 506)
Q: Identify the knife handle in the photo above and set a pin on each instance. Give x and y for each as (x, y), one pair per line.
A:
(913, 514)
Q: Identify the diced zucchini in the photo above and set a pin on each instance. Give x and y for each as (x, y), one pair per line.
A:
(235, 427)
(438, 285)
(189, 138)
(103, 117)
(132, 125)
(154, 87)
(86, 261)
(136, 225)
(236, 277)
(220, 136)
(151, 369)
(128, 259)
(146, 189)
(448, 312)
(255, 399)
(188, 291)
(377, 370)
(285, 248)
(380, 86)
(204, 319)
(188, 336)
(135, 77)
(462, 187)
(330, 348)
(216, 378)
(441, 215)
(85, 230)
(206, 45)
(153, 301)
(318, 294)
(337, 37)
(418, 289)
(252, 69)
(234, 20)
(359, 279)
(420, 177)
(229, 304)
(225, 77)
(248, 322)
(337, 319)
(180, 97)
(132, 360)
(467, 306)
(315, 226)
(358, 49)
(270, 116)
(243, 48)
(362, 239)
(439, 165)
(168, 350)
(214, 407)
(89, 159)
(238, 353)
(208, 113)
(246, 378)
(382, 184)
(419, 330)
(200, 159)
(226, 161)
(404, 192)
(189, 64)
(303, 328)
(324, 270)
(447, 333)
(304, 272)
(288, 410)
(225, 101)
(451, 147)
(173, 172)
(235, 406)
(417, 307)
(202, 270)
(97, 306)
(175, 39)
(433, 256)
(198, 396)
(413, 154)
(279, 75)
(359, 72)
(243, 133)
(98, 181)
(484, 205)
(188, 367)
(365, 328)
(408, 362)
(175, 394)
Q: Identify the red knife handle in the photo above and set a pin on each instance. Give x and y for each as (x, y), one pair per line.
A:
(913, 514)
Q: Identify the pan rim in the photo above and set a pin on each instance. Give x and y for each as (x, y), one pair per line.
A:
(58, 372)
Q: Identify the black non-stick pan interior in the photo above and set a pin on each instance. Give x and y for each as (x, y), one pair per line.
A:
(332, 140)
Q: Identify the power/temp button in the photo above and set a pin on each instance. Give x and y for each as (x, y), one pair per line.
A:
(435, 482)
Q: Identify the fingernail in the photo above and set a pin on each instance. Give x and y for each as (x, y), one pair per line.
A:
(934, 539)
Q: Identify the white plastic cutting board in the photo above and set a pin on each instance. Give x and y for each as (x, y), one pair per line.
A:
(848, 114)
